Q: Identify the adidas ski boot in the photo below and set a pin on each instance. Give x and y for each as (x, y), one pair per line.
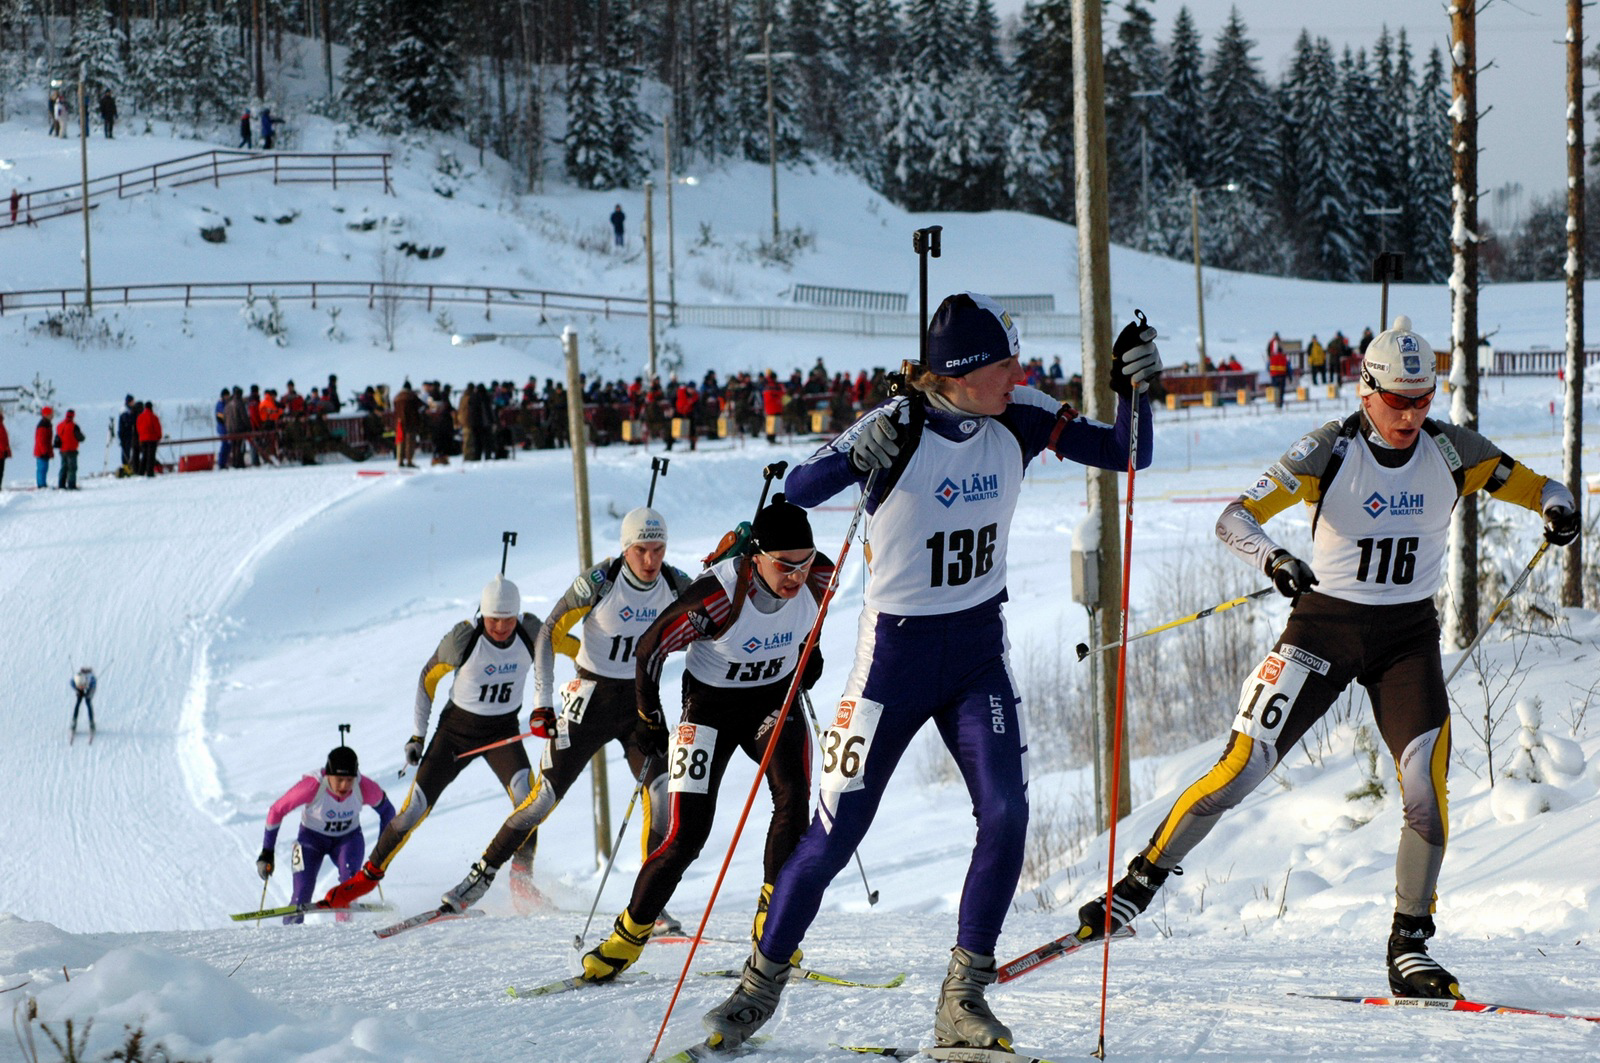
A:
(733, 1021)
(666, 926)
(964, 1017)
(759, 923)
(1412, 972)
(355, 887)
(1130, 896)
(470, 890)
(618, 952)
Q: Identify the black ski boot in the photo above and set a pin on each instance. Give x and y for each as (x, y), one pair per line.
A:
(1130, 896)
(1412, 972)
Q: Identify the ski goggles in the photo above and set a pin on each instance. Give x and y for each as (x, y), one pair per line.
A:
(788, 568)
(1394, 400)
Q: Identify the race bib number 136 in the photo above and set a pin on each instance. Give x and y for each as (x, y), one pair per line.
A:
(847, 742)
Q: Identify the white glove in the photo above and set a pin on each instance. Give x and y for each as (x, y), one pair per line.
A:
(877, 444)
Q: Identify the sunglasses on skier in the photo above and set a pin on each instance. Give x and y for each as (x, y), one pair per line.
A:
(1394, 400)
(789, 567)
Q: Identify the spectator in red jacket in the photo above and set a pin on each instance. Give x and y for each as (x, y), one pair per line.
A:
(149, 428)
(687, 405)
(43, 450)
(5, 448)
(772, 398)
(68, 436)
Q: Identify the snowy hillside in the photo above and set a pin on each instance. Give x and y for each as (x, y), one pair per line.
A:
(236, 619)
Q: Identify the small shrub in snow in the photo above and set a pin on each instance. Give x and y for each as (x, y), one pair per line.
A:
(1539, 756)
(333, 331)
(83, 328)
(1367, 759)
(268, 321)
(31, 398)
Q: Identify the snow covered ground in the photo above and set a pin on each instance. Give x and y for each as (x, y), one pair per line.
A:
(236, 619)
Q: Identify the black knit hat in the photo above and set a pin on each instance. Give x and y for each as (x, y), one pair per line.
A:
(782, 526)
(342, 761)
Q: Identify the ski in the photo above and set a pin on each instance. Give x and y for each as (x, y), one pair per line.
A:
(563, 985)
(1448, 1004)
(817, 976)
(958, 1054)
(307, 909)
(434, 915)
(879, 1050)
(709, 1050)
(1051, 950)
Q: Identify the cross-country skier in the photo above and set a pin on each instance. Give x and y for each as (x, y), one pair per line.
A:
(330, 823)
(83, 684)
(743, 623)
(616, 601)
(944, 465)
(1380, 486)
(492, 658)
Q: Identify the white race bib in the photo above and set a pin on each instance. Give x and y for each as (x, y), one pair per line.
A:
(846, 743)
(297, 859)
(575, 694)
(689, 758)
(1270, 692)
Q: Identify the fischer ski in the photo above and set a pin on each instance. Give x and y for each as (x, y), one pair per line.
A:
(956, 1053)
(1447, 1004)
(879, 1050)
(709, 1050)
(436, 915)
(313, 908)
(817, 976)
(563, 985)
(1051, 950)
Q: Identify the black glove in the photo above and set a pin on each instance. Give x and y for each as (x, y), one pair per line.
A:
(1292, 576)
(414, 750)
(1135, 362)
(876, 445)
(650, 736)
(1561, 525)
(542, 721)
(265, 863)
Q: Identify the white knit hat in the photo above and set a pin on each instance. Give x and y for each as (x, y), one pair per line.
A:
(643, 525)
(1398, 360)
(500, 599)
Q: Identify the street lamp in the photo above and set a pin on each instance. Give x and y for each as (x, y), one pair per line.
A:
(767, 56)
(1199, 285)
(672, 259)
(580, 482)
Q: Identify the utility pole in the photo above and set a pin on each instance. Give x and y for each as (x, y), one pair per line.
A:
(83, 163)
(1199, 283)
(1461, 620)
(772, 131)
(650, 270)
(1577, 269)
(1094, 301)
(1144, 159)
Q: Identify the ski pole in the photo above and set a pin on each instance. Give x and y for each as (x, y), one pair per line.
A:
(495, 745)
(262, 906)
(1527, 571)
(805, 703)
(772, 472)
(1084, 650)
(638, 788)
(658, 467)
(508, 539)
(772, 744)
(1122, 705)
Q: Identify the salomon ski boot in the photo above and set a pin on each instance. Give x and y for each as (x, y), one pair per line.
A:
(470, 890)
(355, 887)
(618, 952)
(964, 1017)
(666, 926)
(1130, 896)
(733, 1021)
(1412, 972)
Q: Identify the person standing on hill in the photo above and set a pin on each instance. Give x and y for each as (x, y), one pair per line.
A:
(5, 448)
(127, 435)
(1316, 358)
(148, 428)
(68, 438)
(617, 221)
(1380, 487)
(268, 129)
(245, 137)
(407, 423)
(330, 823)
(1278, 368)
(83, 684)
(743, 623)
(108, 111)
(492, 658)
(616, 601)
(43, 447)
(932, 637)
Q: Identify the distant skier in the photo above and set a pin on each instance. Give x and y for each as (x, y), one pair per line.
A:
(743, 622)
(616, 602)
(492, 658)
(245, 137)
(618, 219)
(330, 823)
(83, 684)
(269, 129)
(1380, 488)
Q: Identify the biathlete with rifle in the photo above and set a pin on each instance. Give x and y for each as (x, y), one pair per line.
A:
(942, 467)
(492, 658)
(616, 601)
(1381, 486)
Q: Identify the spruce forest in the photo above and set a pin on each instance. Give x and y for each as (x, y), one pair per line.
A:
(934, 103)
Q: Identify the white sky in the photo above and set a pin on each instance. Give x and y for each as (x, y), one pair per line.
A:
(1523, 136)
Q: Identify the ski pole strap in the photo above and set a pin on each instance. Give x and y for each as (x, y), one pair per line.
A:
(1084, 651)
(1538, 555)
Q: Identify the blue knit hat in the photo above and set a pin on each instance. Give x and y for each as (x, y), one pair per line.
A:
(968, 332)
